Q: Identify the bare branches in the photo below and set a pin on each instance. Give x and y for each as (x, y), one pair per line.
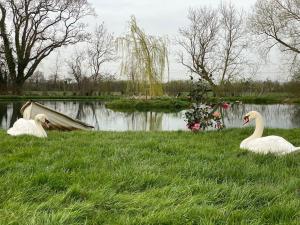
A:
(233, 41)
(277, 22)
(38, 28)
(213, 43)
(101, 49)
(76, 67)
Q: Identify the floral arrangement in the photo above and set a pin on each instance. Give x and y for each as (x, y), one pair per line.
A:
(200, 117)
(203, 115)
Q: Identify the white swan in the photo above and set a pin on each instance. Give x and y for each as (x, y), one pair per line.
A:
(30, 127)
(265, 145)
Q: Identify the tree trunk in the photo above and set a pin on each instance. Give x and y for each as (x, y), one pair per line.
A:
(16, 114)
(3, 89)
(3, 82)
(3, 86)
(17, 87)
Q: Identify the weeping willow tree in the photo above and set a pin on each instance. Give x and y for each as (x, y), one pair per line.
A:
(144, 61)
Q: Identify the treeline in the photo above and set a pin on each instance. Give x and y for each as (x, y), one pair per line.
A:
(178, 88)
(100, 87)
(214, 46)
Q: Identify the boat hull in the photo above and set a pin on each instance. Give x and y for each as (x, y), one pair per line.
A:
(58, 121)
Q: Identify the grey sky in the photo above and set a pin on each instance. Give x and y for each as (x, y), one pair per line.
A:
(157, 17)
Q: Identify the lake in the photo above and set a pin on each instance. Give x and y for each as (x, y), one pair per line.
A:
(95, 113)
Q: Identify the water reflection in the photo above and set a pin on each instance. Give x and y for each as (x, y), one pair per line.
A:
(275, 116)
(95, 113)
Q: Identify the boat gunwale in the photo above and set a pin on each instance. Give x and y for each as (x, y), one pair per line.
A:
(52, 110)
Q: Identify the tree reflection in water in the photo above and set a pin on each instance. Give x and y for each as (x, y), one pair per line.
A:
(3, 114)
(296, 116)
(96, 114)
(146, 121)
(9, 113)
(16, 114)
(275, 116)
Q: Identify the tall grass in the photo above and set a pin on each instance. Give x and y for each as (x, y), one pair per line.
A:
(146, 178)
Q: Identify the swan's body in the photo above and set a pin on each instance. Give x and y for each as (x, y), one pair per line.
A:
(264, 145)
(29, 127)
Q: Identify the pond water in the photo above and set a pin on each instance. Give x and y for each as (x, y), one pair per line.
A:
(95, 113)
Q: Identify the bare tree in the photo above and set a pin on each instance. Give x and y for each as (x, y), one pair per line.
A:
(55, 69)
(233, 42)
(213, 44)
(37, 78)
(101, 49)
(199, 42)
(277, 22)
(32, 29)
(76, 68)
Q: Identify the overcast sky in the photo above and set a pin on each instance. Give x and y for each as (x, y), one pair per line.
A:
(157, 17)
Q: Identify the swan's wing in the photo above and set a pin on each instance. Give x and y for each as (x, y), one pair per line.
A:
(270, 144)
(23, 126)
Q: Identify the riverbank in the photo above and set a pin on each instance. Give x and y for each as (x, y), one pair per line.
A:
(164, 104)
(259, 99)
(146, 178)
(177, 104)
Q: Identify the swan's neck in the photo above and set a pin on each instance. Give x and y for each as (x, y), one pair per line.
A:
(259, 127)
(40, 127)
(38, 123)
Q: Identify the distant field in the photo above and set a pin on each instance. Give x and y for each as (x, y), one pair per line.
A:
(146, 178)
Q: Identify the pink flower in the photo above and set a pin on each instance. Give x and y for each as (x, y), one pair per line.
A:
(225, 105)
(196, 127)
(217, 114)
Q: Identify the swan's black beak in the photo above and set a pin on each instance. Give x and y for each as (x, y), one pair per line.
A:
(246, 120)
(47, 122)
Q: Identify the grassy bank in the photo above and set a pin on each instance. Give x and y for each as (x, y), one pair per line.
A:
(159, 104)
(174, 104)
(268, 99)
(164, 104)
(146, 178)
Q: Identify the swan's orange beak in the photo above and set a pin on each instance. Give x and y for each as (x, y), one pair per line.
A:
(246, 120)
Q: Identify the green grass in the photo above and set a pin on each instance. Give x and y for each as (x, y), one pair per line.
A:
(159, 104)
(173, 104)
(166, 104)
(267, 99)
(146, 178)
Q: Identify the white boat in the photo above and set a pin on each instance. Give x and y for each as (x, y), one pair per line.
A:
(58, 121)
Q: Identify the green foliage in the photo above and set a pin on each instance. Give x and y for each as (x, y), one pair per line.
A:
(145, 59)
(200, 117)
(167, 104)
(203, 113)
(199, 91)
(146, 178)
